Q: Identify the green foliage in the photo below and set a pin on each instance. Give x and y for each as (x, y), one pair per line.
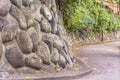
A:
(29, 77)
(57, 69)
(89, 16)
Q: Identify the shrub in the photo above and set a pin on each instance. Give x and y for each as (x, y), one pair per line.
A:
(88, 16)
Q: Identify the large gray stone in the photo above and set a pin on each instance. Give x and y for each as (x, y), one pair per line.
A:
(70, 63)
(62, 61)
(26, 3)
(71, 55)
(1, 49)
(62, 52)
(0, 38)
(19, 16)
(3, 22)
(44, 52)
(68, 58)
(46, 12)
(47, 3)
(28, 16)
(14, 55)
(33, 61)
(24, 42)
(17, 3)
(36, 25)
(43, 1)
(4, 7)
(58, 44)
(9, 30)
(60, 31)
(34, 37)
(67, 50)
(53, 24)
(53, 41)
(53, 5)
(56, 16)
(35, 6)
(55, 56)
(45, 26)
(48, 40)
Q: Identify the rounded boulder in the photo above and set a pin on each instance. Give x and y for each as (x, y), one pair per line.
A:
(45, 26)
(24, 42)
(14, 55)
(34, 37)
(4, 7)
(44, 52)
(33, 61)
(9, 30)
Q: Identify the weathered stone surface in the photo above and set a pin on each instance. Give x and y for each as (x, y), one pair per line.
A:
(62, 61)
(71, 55)
(53, 5)
(36, 25)
(14, 55)
(33, 61)
(17, 3)
(47, 3)
(55, 56)
(3, 22)
(68, 58)
(68, 51)
(62, 52)
(19, 16)
(0, 38)
(53, 41)
(34, 37)
(60, 31)
(9, 30)
(54, 24)
(58, 44)
(70, 62)
(43, 1)
(45, 26)
(1, 49)
(35, 6)
(46, 12)
(4, 7)
(32, 34)
(28, 16)
(26, 3)
(24, 42)
(48, 40)
(43, 52)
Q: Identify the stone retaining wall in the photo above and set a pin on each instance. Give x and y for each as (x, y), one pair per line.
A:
(31, 35)
(75, 39)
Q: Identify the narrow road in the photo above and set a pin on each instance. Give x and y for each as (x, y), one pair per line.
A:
(103, 58)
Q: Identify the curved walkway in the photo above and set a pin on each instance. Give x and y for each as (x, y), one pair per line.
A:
(103, 58)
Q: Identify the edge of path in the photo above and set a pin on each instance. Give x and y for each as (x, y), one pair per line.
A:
(79, 71)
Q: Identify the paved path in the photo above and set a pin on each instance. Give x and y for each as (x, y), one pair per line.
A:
(103, 58)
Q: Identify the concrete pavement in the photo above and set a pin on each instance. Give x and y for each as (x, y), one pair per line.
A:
(103, 58)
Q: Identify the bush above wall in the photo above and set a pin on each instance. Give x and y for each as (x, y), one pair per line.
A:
(89, 16)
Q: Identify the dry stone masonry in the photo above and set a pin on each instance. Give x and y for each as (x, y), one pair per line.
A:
(31, 35)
